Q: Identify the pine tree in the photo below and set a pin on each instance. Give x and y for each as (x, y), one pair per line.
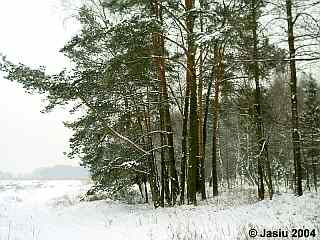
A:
(294, 100)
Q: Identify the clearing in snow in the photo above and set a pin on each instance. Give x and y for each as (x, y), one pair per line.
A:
(51, 210)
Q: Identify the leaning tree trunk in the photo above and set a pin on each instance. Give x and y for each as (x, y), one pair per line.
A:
(294, 101)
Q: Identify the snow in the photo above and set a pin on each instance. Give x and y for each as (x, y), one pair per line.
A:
(51, 210)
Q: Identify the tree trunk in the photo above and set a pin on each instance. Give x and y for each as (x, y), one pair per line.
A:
(258, 115)
(219, 58)
(269, 173)
(307, 176)
(163, 138)
(193, 119)
(146, 192)
(205, 121)
(165, 190)
(168, 124)
(184, 146)
(314, 168)
(172, 164)
(153, 176)
(158, 42)
(294, 102)
(200, 117)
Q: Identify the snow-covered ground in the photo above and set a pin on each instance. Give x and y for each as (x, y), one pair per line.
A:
(51, 210)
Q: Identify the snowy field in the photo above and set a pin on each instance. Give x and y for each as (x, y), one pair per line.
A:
(51, 210)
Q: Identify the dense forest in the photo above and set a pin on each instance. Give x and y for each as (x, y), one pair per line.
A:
(172, 94)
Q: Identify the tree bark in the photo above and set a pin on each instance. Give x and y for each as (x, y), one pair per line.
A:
(205, 120)
(184, 145)
(165, 189)
(294, 102)
(269, 173)
(257, 106)
(193, 120)
(166, 125)
(219, 76)
(315, 180)
(200, 117)
(147, 141)
(153, 176)
(146, 192)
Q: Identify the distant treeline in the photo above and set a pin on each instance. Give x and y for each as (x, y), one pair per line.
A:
(55, 172)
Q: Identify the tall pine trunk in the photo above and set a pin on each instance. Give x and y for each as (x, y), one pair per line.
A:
(174, 182)
(205, 120)
(219, 76)
(193, 119)
(200, 117)
(184, 145)
(165, 189)
(165, 118)
(294, 102)
(200, 134)
(153, 176)
(257, 106)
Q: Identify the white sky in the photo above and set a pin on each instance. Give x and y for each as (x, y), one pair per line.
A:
(32, 32)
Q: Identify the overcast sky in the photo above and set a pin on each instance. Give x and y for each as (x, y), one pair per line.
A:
(32, 32)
